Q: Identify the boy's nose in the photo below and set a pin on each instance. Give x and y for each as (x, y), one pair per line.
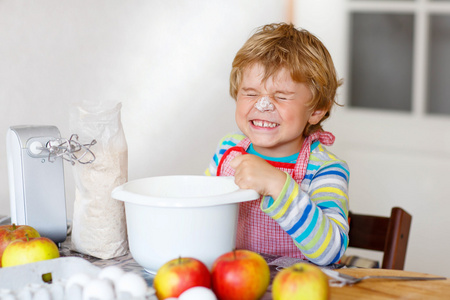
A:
(264, 104)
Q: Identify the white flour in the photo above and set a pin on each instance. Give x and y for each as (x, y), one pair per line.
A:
(99, 225)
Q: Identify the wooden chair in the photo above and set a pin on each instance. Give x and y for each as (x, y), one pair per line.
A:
(389, 235)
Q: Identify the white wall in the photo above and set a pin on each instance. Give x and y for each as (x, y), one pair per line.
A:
(395, 159)
(168, 61)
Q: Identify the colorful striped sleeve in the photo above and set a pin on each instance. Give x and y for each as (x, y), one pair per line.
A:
(316, 220)
(225, 143)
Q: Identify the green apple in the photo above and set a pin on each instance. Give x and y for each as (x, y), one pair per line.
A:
(9, 233)
(20, 252)
(178, 275)
(240, 275)
(300, 281)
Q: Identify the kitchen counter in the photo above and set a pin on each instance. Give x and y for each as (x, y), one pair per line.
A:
(368, 289)
(127, 263)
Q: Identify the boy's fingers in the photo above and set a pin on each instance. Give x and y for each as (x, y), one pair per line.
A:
(234, 163)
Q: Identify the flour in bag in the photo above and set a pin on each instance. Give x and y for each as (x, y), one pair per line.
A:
(99, 225)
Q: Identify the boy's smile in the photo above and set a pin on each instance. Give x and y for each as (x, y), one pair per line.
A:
(276, 131)
(264, 124)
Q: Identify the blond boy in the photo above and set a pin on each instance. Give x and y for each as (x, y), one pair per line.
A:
(284, 83)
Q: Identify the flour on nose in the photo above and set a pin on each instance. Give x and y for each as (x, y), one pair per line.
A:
(264, 104)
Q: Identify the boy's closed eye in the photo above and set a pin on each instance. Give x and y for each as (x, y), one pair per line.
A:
(249, 92)
(283, 97)
(253, 94)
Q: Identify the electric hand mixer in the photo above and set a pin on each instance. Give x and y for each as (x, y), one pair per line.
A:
(35, 157)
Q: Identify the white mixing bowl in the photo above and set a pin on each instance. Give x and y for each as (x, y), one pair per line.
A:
(188, 216)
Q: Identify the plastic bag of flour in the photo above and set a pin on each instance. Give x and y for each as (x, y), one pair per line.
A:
(99, 225)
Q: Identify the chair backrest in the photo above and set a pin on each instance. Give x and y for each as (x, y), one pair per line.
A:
(387, 234)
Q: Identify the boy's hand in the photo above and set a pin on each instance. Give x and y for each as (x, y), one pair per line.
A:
(253, 172)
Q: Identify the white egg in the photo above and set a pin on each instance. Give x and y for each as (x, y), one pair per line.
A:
(5, 291)
(57, 290)
(42, 294)
(7, 297)
(101, 289)
(25, 294)
(79, 278)
(112, 273)
(125, 296)
(131, 283)
(74, 292)
(33, 286)
(197, 293)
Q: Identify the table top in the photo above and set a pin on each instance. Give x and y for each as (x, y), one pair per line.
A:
(391, 289)
(367, 289)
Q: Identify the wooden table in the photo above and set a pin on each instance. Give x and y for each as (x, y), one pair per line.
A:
(369, 289)
(383, 288)
(391, 289)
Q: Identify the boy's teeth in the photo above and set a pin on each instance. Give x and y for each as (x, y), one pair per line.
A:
(264, 124)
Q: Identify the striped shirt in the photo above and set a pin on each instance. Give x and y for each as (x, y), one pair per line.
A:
(314, 213)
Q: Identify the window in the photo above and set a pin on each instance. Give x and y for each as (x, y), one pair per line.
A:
(439, 64)
(400, 55)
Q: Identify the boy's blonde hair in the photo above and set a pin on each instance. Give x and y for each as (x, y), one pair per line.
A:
(277, 46)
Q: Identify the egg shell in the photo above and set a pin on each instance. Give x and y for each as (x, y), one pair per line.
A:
(42, 294)
(5, 291)
(124, 296)
(100, 289)
(82, 279)
(197, 293)
(132, 283)
(112, 273)
(74, 292)
(57, 290)
(8, 297)
(25, 294)
(33, 286)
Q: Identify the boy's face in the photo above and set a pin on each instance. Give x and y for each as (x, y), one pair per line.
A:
(277, 132)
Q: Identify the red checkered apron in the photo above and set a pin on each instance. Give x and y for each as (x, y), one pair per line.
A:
(257, 231)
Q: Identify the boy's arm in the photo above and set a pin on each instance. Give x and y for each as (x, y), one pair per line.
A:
(212, 169)
(317, 220)
(225, 143)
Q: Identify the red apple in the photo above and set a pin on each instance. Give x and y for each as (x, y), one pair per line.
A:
(300, 281)
(20, 252)
(9, 233)
(240, 275)
(178, 275)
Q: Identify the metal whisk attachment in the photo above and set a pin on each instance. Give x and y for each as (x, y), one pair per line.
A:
(70, 150)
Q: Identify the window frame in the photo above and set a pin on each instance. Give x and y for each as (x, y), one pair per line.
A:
(421, 11)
